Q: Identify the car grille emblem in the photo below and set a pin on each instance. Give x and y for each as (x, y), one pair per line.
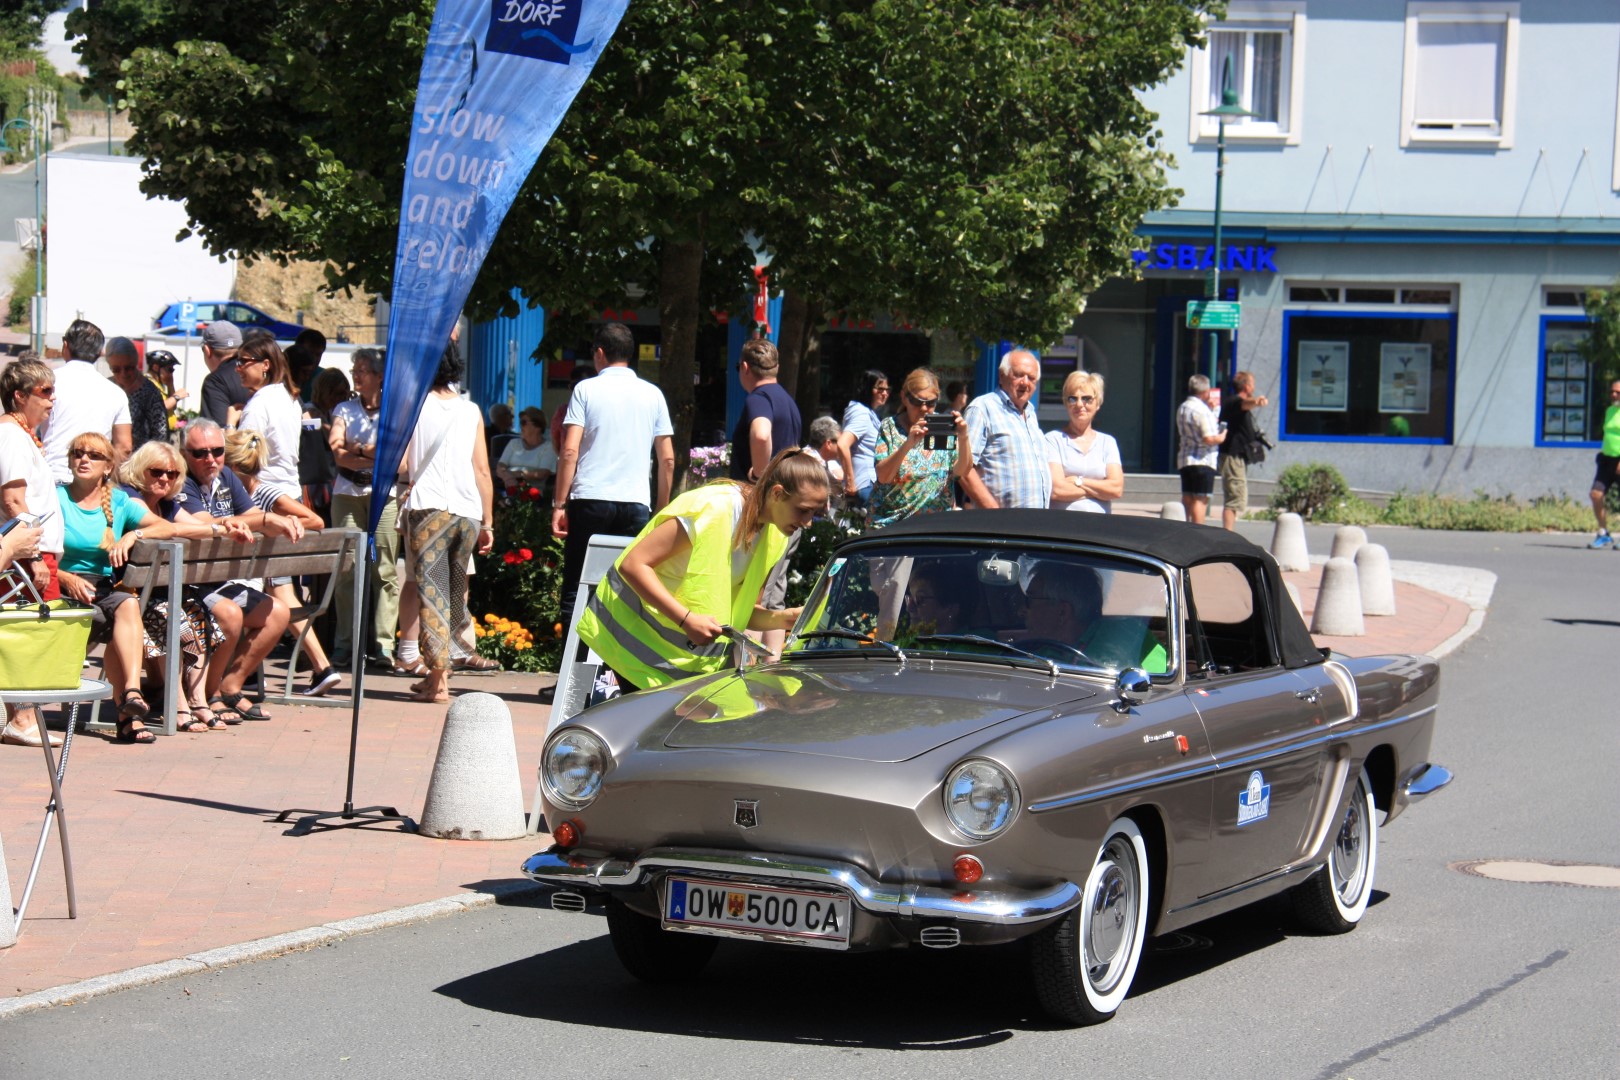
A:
(747, 813)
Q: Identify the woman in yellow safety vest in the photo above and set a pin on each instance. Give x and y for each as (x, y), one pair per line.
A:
(699, 564)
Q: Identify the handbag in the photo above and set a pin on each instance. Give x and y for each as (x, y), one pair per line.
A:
(42, 645)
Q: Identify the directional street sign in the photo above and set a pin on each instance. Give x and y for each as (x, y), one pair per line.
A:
(1213, 314)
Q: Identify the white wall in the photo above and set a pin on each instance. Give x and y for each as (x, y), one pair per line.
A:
(111, 254)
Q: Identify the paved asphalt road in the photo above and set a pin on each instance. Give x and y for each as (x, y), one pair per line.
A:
(1448, 976)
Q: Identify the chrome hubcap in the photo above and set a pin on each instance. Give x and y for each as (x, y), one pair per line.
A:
(1112, 922)
(1349, 851)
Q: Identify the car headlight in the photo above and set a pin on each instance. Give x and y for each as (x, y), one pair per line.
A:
(572, 766)
(981, 798)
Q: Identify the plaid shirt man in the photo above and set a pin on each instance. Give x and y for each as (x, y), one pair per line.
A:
(1009, 451)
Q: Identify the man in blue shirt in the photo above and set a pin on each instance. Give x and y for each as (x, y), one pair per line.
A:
(212, 492)
(770, 421)
(1009, 452)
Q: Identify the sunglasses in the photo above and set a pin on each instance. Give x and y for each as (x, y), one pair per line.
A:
(170, 475)
(93, 455)
(923, 403)
(46, 392)
(202, 452)
(1082, 399)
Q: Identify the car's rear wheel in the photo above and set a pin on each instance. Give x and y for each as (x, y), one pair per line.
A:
(1335, 898)
(1084, 963)
(651, 953)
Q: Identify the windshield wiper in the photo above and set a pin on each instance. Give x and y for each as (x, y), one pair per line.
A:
(980, 639)
(851, 635)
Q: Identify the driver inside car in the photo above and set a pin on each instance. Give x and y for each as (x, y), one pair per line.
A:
(1063, 604)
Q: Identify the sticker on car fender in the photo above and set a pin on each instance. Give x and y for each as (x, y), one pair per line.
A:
(757, 911)
(1254, 801)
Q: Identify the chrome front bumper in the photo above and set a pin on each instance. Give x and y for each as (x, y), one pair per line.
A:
(999, 906)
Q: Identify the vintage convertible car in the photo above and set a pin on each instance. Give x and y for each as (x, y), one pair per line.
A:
(1076, 729)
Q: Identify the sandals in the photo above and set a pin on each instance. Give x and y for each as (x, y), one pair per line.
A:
(476, 665)
(129, 733)
(133, 706)
(223, 713)
(247, 711)
(425, 698)
(185, 721)
(415, 668)
(213, 721)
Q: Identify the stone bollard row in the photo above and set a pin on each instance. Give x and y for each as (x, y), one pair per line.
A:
(1347, 540)
(1288, 543)
(1338, 601)
(476, 792)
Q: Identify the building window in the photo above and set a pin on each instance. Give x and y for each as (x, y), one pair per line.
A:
(1564, 296)
(1317, 293)
(1380, 376)
(1264, 43)
(1573, 393)
(1459, 78)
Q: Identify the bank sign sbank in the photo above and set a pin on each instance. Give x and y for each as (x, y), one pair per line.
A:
(1254, 258)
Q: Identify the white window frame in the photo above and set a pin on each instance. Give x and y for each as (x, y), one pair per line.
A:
(1461, 11)
(1277, 16)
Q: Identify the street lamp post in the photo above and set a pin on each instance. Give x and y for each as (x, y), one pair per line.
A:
(1228, 110)
(36, 317)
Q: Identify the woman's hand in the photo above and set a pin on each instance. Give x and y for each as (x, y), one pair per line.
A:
(75, 586)
(700, 629)
(239, 532)
(486, 539)
(119, 555)
(181, 394)
(918, 431)
(41, 574)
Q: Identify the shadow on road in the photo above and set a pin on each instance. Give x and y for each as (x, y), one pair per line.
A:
(913, 999)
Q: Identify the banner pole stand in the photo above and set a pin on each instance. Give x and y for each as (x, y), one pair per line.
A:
(349, 817)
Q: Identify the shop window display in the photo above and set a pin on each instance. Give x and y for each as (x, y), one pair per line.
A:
(1365, 376)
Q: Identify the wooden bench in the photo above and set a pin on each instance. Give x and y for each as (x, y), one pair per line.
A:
(172, 564)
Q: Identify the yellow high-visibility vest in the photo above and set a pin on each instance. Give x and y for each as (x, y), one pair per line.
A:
(646, 647)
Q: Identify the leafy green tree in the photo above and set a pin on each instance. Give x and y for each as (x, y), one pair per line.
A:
(976, 163)
(1602, 346)
(20, 24)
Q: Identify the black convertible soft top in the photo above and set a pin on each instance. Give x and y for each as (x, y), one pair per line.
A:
(1176, 542)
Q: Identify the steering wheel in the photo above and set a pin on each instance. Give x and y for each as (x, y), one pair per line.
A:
(1053, 649)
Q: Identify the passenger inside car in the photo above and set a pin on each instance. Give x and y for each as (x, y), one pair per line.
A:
(1064, 604)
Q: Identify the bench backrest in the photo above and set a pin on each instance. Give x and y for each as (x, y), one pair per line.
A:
(223, 559)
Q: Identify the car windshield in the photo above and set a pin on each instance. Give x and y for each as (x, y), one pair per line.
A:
(1083, 611)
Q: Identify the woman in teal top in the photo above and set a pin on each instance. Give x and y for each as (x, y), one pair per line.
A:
(910, 478)
(95, 513)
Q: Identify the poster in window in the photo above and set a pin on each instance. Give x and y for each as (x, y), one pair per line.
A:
(1555, 391)
(1553, 421)
(1575, 423)
(1403, 378)
(1324, 376)
(1574, 366)
(1555, 365)
(1574, 393)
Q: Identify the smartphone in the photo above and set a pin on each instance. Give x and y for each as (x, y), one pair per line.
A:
(35, 520)
(7, 526)
(941, 434)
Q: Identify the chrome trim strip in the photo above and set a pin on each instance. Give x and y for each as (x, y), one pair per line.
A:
(1428, 781)
(1339, 733)
(1263, 879)
(1004, 906)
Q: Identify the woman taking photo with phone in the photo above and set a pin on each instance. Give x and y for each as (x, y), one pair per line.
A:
(914, 471)
(698, 565)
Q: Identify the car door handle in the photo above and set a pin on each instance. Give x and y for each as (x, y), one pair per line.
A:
(1310, 697)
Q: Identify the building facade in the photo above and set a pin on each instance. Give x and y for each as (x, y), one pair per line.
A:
(1412, 217)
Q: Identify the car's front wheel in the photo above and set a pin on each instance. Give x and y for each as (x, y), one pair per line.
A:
(651, 953)
(1335, 898)
(1084, 963)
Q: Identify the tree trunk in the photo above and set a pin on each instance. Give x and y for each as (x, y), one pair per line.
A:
(679, 274)
(800, 349)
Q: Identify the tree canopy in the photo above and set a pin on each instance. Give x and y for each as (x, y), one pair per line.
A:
(980, 164)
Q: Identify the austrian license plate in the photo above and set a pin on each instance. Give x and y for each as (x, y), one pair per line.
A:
(817, 919)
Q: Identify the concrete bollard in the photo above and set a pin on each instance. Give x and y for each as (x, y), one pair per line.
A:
(8, 921)
(1293, 594)
(1377, 584)
(1347, 540)
(1338, 601)
(1288, 543)
(1173, 511)
(476, 792)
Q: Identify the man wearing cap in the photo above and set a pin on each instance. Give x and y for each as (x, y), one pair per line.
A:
(85, 400)
(148, 419)
(223, 394)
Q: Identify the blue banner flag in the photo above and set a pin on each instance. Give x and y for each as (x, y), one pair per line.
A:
(497, 77)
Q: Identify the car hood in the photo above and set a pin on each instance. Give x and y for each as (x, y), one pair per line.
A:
(871, 710)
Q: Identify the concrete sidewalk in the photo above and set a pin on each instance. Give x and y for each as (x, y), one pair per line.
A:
(179, 866)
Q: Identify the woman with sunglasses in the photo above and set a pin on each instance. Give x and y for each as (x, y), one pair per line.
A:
(152, 476)
(912, 479)
(96, 513)
(274, 412)
(28, 389)
(1086, 470)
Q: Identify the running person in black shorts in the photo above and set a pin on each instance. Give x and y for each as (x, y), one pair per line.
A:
(1608, 457)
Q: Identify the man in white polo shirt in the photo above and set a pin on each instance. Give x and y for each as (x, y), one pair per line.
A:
(615, 422)
(86, 400)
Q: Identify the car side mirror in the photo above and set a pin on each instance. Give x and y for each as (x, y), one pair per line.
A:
(1132, 687)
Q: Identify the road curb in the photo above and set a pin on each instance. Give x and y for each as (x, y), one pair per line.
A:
(262, 948)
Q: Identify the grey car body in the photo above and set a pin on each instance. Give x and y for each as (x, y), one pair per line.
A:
(965, 774)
